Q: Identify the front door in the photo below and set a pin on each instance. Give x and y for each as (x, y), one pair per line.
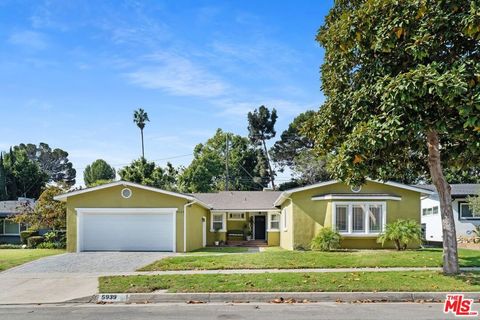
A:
(260, 227)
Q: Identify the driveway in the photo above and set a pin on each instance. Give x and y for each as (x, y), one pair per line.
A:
(68, 276)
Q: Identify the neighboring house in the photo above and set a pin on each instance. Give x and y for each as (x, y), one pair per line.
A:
(10, 231)
(127, 216)
(465, 221)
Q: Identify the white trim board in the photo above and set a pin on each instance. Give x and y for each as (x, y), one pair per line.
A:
(356, 197)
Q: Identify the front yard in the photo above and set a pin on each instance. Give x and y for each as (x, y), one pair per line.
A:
(293, 282)
(282, 259)
(10, 258)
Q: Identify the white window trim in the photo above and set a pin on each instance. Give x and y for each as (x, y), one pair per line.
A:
(284, 217)
(350, 205)
(236, 219)
(224, 221)
(269, 221)
(9, 234)
(466, 218)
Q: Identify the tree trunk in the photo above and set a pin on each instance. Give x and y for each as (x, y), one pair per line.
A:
(143, 151)
(450, 254)
(272, 177)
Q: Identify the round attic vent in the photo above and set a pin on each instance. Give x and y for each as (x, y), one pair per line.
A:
(356, 189)
(126, 193)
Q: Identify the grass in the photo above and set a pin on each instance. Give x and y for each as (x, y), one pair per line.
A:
(209, 250)
(313, 259)
(10, 258)
(293, 282)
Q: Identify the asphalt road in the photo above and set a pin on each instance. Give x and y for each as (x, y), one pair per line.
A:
(390, 311)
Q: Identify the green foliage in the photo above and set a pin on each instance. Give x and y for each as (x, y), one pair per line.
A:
(47, 245)
(10, 246)
(24, 235)
(207, 172)
(393, 71)
(474, 204)
(326, 240)
(401, 232)
(3, 180)
(99, 170)
(34, 241)
(53, 162)
(47, 213)
(149, 174)
(261, 127)
(140, 117)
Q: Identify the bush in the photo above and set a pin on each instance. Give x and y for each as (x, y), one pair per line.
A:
(326, 240)
(24, 235)
(34, 241)
(401, 232)
(10, 246)
(47, 245)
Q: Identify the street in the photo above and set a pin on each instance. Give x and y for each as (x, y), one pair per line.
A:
(251, 311)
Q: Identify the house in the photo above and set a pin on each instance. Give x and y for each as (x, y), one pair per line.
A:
(10, 231)
(132, 217)
(465, 221)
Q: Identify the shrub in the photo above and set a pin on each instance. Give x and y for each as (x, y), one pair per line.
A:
(326, 240)
(10, 246)
(34, 241)
(401, 232)
(24, 235)
(47, 245)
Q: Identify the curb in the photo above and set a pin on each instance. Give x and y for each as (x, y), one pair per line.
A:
(275, 297)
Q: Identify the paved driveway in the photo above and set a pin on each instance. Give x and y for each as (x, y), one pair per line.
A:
(68, 276)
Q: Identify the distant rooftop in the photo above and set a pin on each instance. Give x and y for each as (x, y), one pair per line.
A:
(460, 189)
(239, 200)
(11, 207)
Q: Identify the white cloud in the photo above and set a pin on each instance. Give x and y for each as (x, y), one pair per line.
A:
(178, 75)
(31, 39)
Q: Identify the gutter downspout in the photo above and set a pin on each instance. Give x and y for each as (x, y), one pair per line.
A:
(188, 204)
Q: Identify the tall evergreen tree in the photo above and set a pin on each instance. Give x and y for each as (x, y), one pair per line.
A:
(3, 180)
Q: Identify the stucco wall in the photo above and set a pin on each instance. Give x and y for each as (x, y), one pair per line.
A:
(286, 235)
(309, 216)
(111, 198)
(273, 238)
(195, 213)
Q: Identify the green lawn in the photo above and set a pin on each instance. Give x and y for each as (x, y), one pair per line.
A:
(293, 282)
(313, 259)
(209, 250)
(13, 257)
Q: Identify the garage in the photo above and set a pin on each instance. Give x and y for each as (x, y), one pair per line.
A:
(126, 229)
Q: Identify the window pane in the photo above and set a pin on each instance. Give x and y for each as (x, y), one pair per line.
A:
(341, 218)
(1, 226)
(217, 222)
(217, 218)
(274, 221)
(11, 227)
(375, 218)
(435, 210)
(358, 219)
(465, 211)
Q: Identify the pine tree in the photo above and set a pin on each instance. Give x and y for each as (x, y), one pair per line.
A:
(3, 180)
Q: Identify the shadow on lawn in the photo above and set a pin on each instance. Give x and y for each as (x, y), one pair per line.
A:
(471, 278)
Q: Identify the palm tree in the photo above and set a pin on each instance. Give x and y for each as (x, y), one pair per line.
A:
(140, 117)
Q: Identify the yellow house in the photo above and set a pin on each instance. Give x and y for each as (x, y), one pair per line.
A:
(125, 216)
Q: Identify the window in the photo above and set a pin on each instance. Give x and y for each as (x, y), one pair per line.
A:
(435, 210)
(424, 211)
(359, 218)
(273, 221)
(218, 222)
(240, 216)
(9, 228)
(285, 219)
(466, 212)
(341, 218)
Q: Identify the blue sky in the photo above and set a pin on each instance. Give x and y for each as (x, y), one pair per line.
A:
(72, 72)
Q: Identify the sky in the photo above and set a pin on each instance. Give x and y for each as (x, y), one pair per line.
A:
(73, 72)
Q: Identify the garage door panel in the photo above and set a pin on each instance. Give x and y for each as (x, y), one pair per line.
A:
(127, 232)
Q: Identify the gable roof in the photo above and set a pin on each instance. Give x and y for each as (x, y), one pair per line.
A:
(458, 189)
(239, 200)
(284, 195)
(65, 196)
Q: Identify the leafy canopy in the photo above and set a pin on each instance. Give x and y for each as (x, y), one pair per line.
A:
(393, 71)
(149, 174)
(99, 170)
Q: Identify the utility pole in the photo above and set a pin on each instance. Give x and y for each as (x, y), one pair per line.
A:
(227, 178)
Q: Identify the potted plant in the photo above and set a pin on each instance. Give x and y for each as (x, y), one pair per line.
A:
(217, 236)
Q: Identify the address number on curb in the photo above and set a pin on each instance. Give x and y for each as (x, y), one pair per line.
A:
(112, 298)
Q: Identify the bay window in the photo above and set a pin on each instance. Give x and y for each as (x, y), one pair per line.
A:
(359, 218)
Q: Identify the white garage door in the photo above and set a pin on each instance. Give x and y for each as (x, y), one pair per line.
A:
(126, 230)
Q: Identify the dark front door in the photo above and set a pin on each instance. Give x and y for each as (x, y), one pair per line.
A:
(260, 227)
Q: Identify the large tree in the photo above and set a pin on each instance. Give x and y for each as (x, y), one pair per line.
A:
(247, 168)
(53, 162)
(99, 170)
(3, 180)
(261, 127)
(140, 117)
(148, 173)
(402, 87)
